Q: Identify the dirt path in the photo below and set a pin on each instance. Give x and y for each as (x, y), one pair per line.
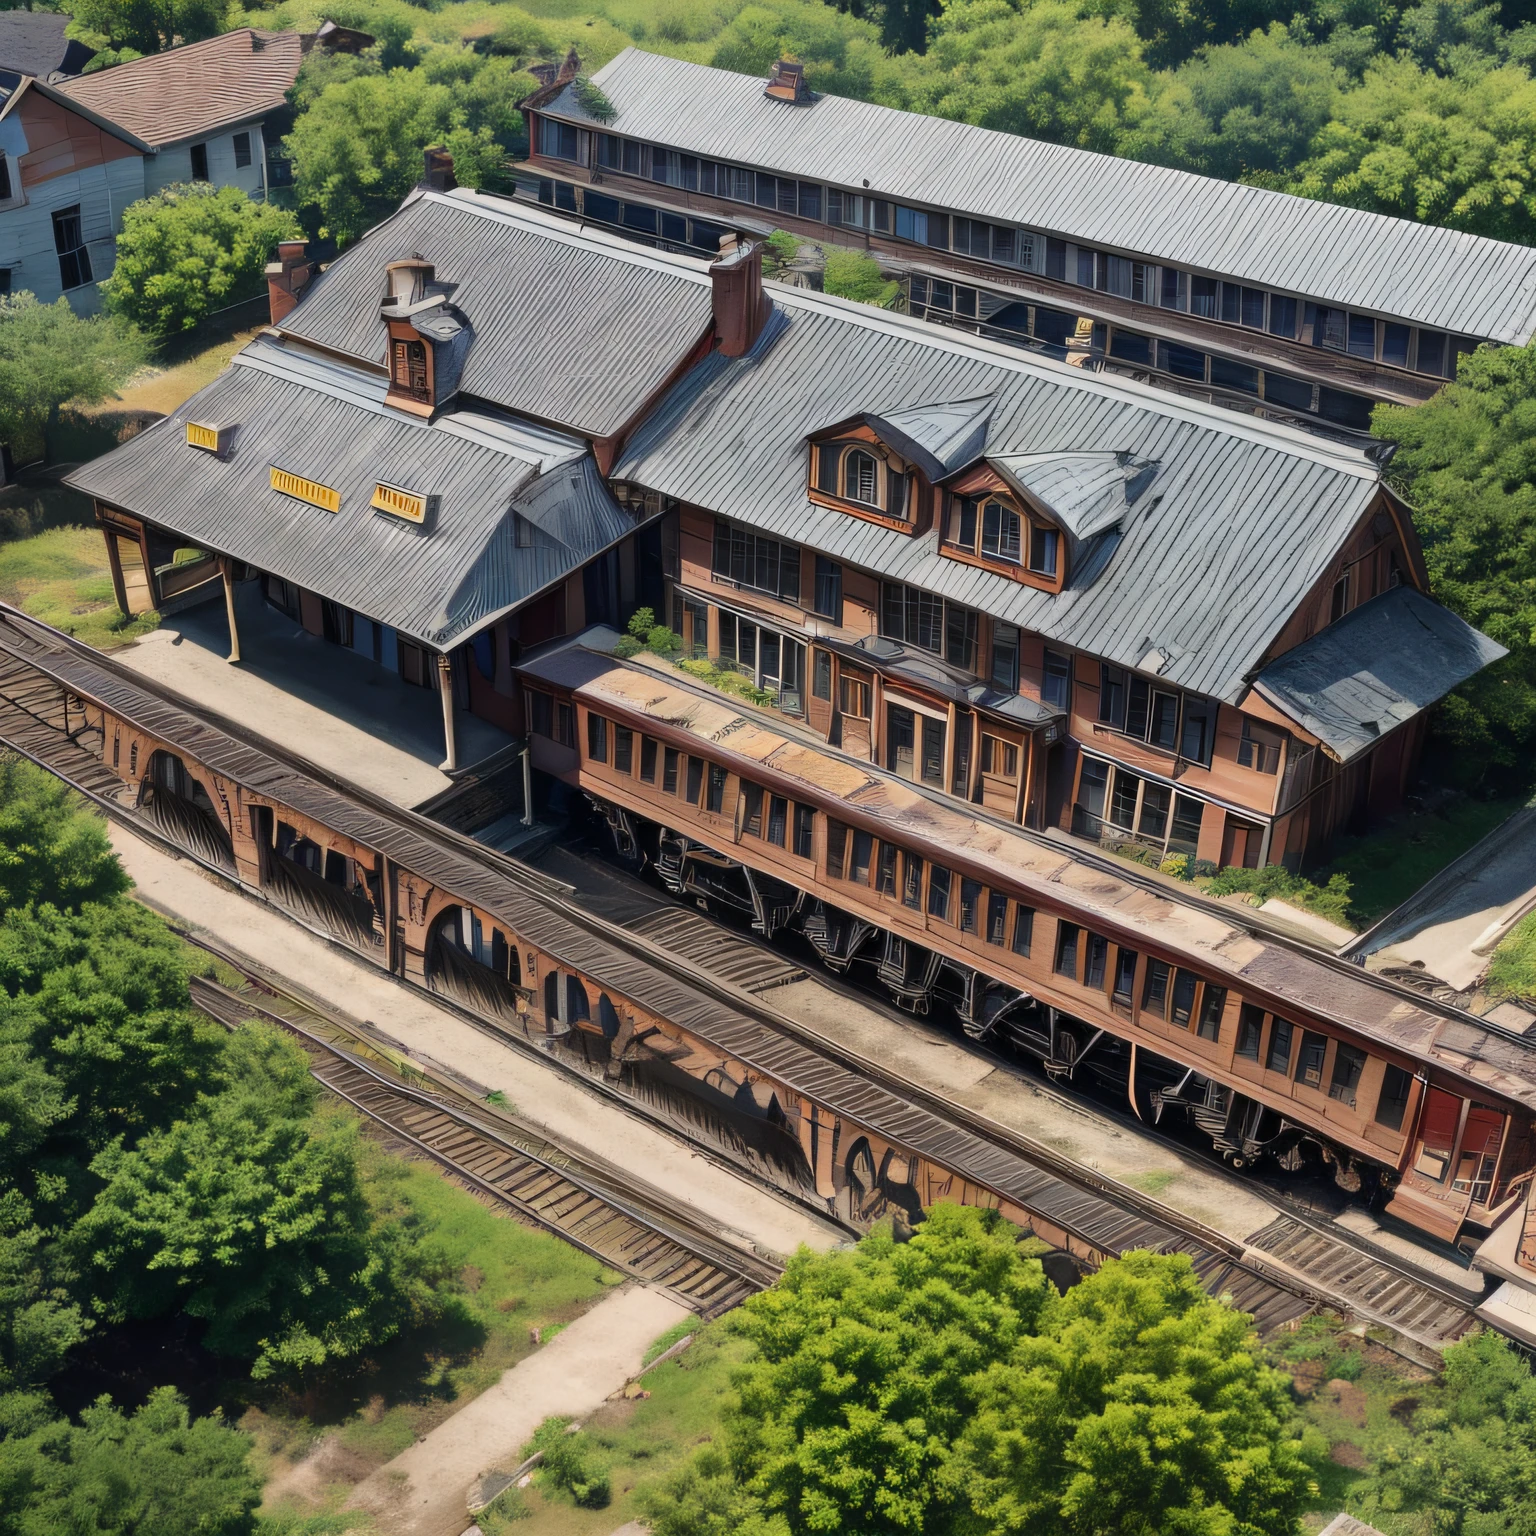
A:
(543, 1093)
(422, 1492)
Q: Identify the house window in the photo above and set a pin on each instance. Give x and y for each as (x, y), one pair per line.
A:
(860, 478)
(1348, 1068)
(200, 162)
(1260, 746)
(669, 771)
(1005, 657)
(912, 616)
(960, 637)
(1282, 315)
(1044, 545)
(1184, 983)
(1338, 604)
(1098, 959)
(558, 141)
(1056, 680)
(828, 600)
(763, 564)
(541, 714)
(695, 782)
(999, 758)
(752, 810)
(74, 259)
(408, 369)
(1000, 534)
(242, 150)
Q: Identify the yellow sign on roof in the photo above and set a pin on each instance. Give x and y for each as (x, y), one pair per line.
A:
(312, 491)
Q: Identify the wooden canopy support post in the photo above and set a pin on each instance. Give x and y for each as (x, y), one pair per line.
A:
(227, 571)
(115, 560)
(450, 734)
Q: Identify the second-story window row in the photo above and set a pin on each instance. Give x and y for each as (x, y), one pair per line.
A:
(919, 618)
(1162, 717)
(752, 560)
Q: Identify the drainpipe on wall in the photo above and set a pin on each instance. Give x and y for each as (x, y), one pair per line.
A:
(528, 784)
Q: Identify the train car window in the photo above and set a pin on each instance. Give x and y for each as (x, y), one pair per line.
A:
(1098, 959)
(1348, 1067)
(1211, 1008)
(577, 1008)
(648, 759)
(912, 881)
(1183, 996)
(970, 905)
(717, 778)
(1066, 950)
(1023, 930)
(1279, 1058)
(886, 882)
(997, 918)
(695, 779)
(863, 855)
(778, 815)
(623, 749)
(1393, 1102)
(1250, 1030)
(1125, 978)
(837, 845)
(669, 772)
(805, 823)
(1154, 996)
(1309, 1059)
(938, 893)
(565, 725)
(752, 817)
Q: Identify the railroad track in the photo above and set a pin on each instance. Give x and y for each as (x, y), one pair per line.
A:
(1105, 1217)
(591, 1205)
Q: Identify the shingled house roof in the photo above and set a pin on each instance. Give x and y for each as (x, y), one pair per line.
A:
(186, 92)
(33, 43)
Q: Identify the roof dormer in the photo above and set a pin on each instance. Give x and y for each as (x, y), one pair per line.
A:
(882, 465)
(1043, 518)
(427, 338)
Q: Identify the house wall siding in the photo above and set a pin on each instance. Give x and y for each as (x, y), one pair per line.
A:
(174, 162)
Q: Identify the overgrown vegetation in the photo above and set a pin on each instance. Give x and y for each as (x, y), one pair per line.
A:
(645, 634)
(1276, 882)
(157, 1171)
(850, 274)
(61, 576)
(1512, 966)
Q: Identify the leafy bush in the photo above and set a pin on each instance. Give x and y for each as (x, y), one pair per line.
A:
(1177, 865)
(850, 274)
(1275, 880)
(567, 1465)
(592, 100)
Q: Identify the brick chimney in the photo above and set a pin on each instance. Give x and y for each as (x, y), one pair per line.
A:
(439, 175)
(286, 278)
(740, 305)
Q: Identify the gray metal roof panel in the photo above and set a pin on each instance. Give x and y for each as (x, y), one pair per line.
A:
(436, 583)
(1239, 525)
(1435, 277)
(570, 326)
(1375, 669)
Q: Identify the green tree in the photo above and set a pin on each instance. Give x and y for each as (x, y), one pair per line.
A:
(1466, 464)
(131, 28)
(358, 149)
(39, 1319)
(1458, 150)
(1045, 70)
(52, 849)
(156, 1471)
(1139, 1405)
(1471, 1468)
(249, 1216)
(850, 274)
(188, 251)
(50, 356)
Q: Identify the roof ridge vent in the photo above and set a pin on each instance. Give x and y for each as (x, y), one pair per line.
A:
(786, 82)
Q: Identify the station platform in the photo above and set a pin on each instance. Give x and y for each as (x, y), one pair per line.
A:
(340, 710)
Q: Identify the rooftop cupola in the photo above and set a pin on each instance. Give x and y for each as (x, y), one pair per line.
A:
(428, 337)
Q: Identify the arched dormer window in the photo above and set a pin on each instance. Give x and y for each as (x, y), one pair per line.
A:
(998, 533)
(861, 481)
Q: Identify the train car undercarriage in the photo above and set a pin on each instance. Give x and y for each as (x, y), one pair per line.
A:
(926, 983)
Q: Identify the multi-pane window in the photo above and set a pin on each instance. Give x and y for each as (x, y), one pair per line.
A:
(69, 242)
(1163, 717)
(560, 141)
(1125, 977)
(914, 745)
(1056, 680)
(1005, 657)
(939, 881)
(1260, 747)
(1000, 532)
(750, 560)
(913, 616)
(828, 599)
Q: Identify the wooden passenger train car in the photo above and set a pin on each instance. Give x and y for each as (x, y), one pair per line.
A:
(1272, 1050)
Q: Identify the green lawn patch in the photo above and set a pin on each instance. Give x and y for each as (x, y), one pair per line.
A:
(1512, 970)
(61, 576)
(510, 1279)
(1386, 867)
(634, 1441)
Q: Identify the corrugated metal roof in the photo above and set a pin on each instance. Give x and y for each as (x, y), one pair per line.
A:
(951, 434)
(1087, 493)
(327, 422)
(1374, 669)
(192, 90)
(1240, 523)
(570, 325)
(1393, 267)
